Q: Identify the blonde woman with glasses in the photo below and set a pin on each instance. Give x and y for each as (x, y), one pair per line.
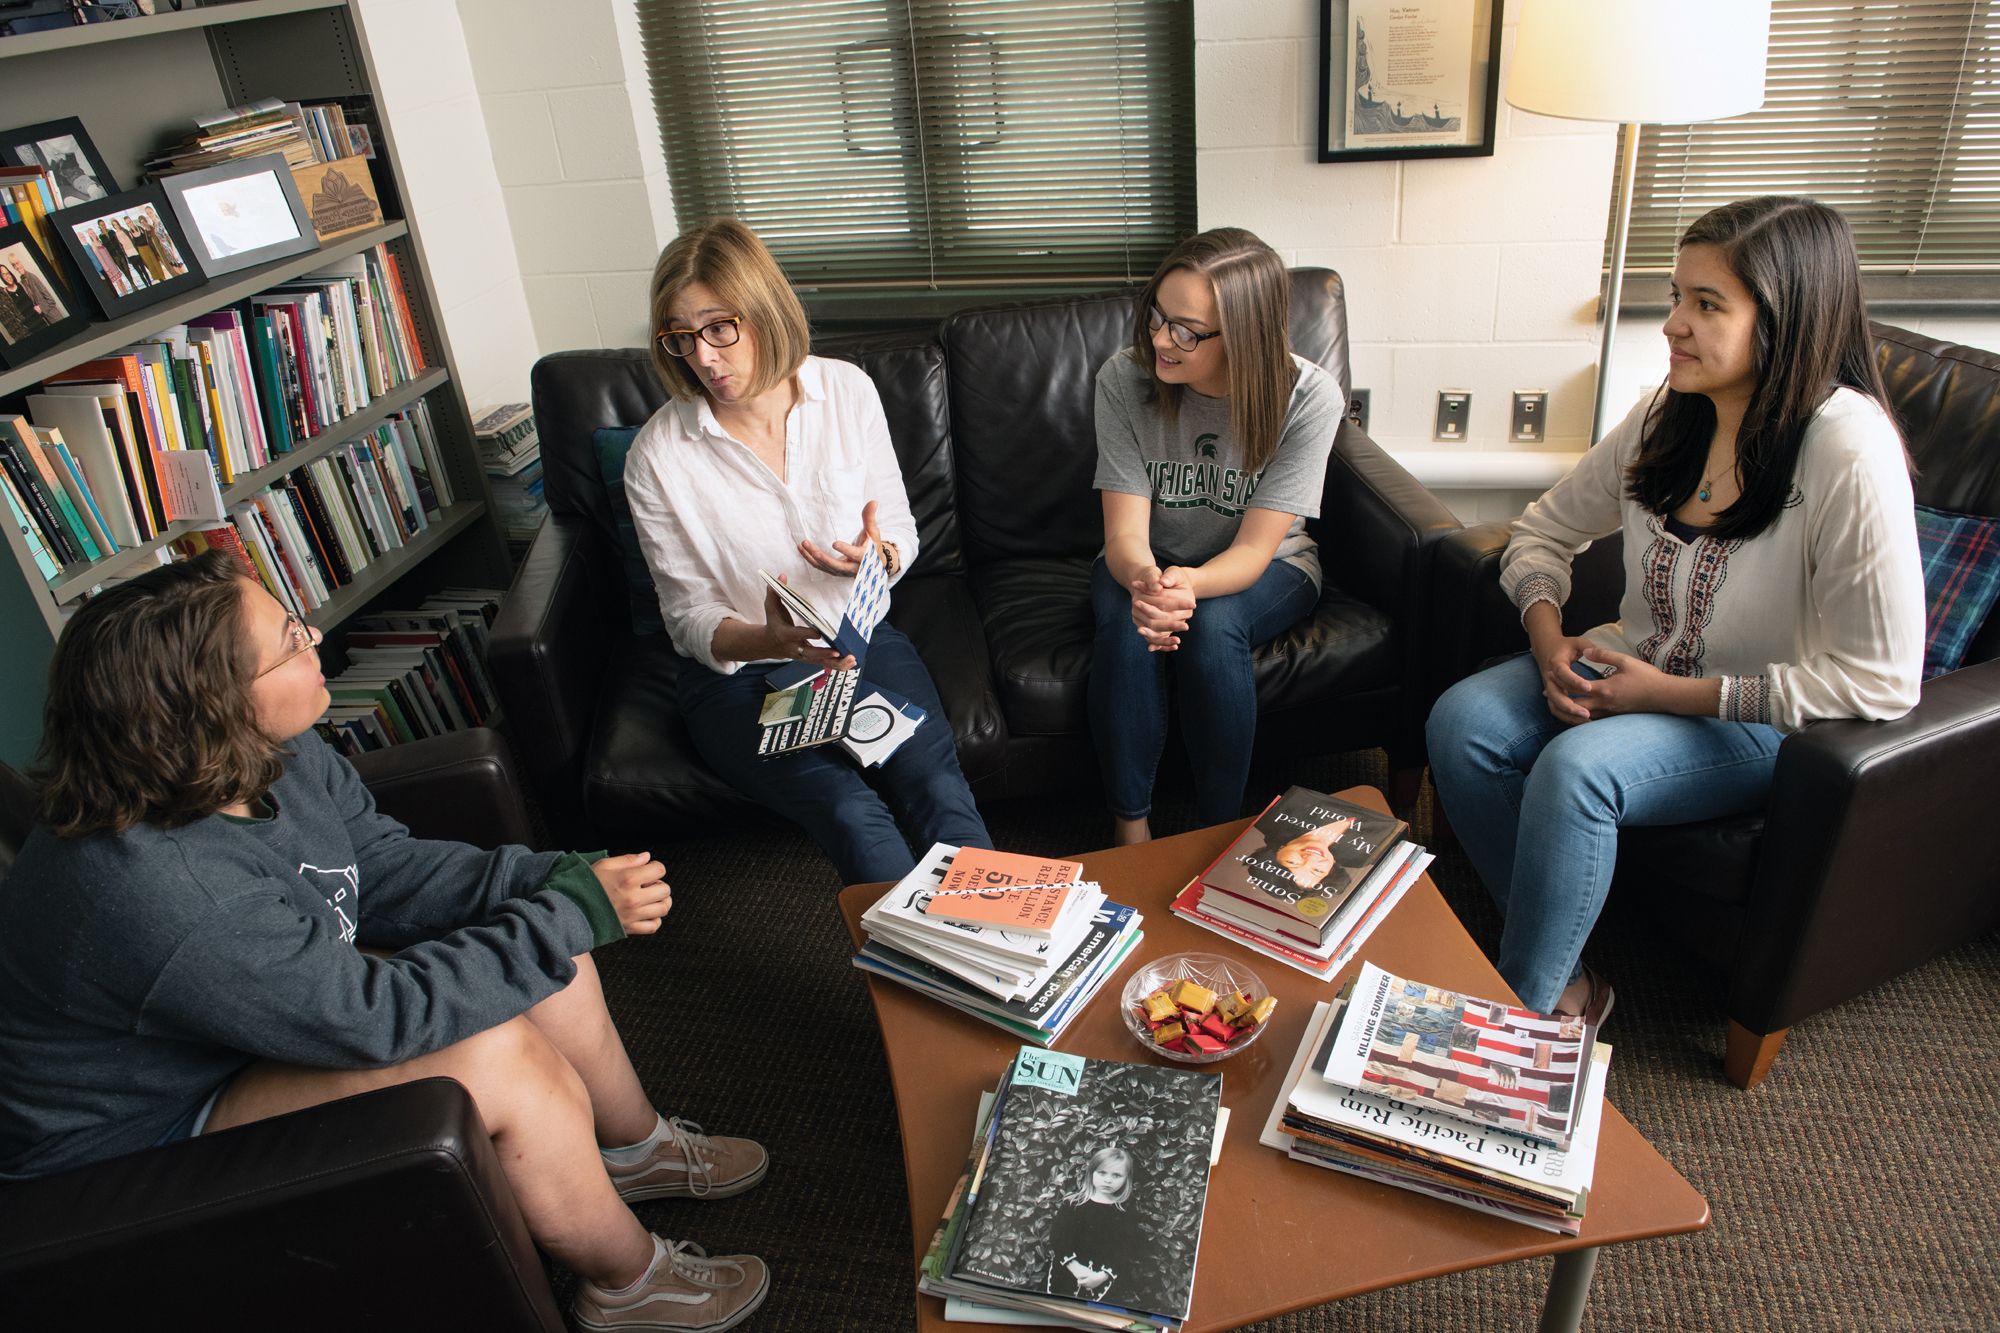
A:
(1212, 441)
(764, 459)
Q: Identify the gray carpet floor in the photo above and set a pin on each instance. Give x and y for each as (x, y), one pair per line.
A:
(1857, 1188)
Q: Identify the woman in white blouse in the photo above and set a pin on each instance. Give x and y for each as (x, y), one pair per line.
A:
(763, 458)
(1771, 579)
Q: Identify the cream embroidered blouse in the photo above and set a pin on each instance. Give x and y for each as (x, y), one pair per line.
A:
(1820, 616)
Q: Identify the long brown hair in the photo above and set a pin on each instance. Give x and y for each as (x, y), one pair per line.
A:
(726, 257)
(149, 716)
(1253, 299)
(1796, 258)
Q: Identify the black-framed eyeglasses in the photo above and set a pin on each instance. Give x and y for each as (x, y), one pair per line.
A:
(1184, 337)
(722, 333)
(304, 638)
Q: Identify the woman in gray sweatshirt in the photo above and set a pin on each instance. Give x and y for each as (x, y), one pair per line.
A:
(212, 924)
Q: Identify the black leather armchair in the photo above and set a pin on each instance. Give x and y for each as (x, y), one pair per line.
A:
(1879, 849)
(991, 419)
(388, 1209)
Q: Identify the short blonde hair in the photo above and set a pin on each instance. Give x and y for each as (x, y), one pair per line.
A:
(726, 257)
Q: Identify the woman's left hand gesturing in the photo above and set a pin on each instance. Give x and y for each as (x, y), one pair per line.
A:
(846, 561)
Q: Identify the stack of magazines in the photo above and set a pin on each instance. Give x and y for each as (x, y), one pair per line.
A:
(1082, 1197)
(1307, 882)
(1483, 1104)
(1018, 941)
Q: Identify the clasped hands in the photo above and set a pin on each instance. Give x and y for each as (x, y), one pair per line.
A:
(1162, 601)
(790, 639)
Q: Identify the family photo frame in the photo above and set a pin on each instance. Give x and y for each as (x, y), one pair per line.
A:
(127, 249)
(1402, 79)
(37, 309)
(240, 214)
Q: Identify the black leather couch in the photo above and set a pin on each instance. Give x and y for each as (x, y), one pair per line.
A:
(1879, 849)
(387, 1210)
(991, 417)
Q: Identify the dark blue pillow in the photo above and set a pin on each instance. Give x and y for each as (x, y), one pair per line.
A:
(1961, 554)
(612, 444)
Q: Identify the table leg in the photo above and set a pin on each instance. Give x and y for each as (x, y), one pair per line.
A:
(1569, 1288)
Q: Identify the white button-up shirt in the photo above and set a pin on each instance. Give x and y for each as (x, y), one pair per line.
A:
(710, 514)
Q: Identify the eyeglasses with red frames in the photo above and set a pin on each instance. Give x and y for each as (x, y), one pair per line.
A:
(722, 333)
(1184, 337)
(304, 637)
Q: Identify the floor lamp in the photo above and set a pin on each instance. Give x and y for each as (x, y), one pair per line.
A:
(1633, 62)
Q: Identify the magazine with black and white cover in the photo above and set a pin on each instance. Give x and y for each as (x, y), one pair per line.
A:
(1094, 1189)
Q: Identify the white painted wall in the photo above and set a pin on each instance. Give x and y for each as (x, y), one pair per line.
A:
(1462, 273)
(431, 102)
(577, 152)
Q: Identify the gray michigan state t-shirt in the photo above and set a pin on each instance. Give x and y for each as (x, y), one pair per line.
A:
(1192, 468)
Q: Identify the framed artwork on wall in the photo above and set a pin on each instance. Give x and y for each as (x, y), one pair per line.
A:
(240, 214)
(1408, 79)
(127, 249)
(37, 310)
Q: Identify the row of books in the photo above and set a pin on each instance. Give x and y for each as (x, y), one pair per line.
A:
(1307, 882)
(413, 674)
(304, 134)
(151, 432)
(1479, 1103)
(1083, 1196)
(1026, 958)
(312, 531)
(510, 448)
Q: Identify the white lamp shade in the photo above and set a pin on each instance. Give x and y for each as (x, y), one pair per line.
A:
(1640, 61)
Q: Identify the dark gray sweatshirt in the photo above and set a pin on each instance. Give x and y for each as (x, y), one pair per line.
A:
(140, 970)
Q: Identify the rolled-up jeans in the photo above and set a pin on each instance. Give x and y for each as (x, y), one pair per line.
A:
(1537, 804)
(1216, 690)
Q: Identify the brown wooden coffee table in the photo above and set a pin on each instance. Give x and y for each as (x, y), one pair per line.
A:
(1279, 1235)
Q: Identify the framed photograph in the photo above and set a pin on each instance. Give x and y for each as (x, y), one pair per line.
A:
(64, 148)
(36, 311)
(241, 213)
(1408, 79)
(127, 250)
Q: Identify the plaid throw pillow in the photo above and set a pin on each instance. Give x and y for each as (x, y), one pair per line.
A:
(612, 444)
(1961, 554)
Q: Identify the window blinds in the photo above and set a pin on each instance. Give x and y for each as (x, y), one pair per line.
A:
(922, 143)
(1888, 112)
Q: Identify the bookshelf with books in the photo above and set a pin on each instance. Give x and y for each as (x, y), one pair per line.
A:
(138, 86)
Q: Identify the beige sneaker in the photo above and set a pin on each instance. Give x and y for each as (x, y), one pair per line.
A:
(688, 1164)
(685, 1290)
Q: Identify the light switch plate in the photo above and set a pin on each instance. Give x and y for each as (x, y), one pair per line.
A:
(1357, 408)
(1531, 411)
(1454, 411)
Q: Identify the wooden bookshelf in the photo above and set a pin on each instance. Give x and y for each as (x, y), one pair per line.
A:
(137, 84)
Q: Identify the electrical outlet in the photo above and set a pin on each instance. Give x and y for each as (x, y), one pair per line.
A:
(1454, 411)
(1531, 410)
(1357, 408)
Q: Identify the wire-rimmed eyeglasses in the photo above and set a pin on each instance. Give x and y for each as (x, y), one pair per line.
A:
(304, 637)
(722, 333)
(1184, 337)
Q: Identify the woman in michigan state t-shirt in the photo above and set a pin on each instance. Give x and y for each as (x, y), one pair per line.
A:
(1212, 440)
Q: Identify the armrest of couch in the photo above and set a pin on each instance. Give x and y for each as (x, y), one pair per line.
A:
(1471, 620)
(1880, 851)
(548, 650)
(384, 1210)
(460, 787)
(1378, 523)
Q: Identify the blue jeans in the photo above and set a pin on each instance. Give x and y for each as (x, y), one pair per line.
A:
(1538, 805)
(823, 788)
(1217, 694)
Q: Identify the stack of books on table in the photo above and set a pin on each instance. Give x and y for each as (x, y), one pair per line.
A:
(1307, 882)
(1082, 1197)
(1479, 1103)
(1017, 941)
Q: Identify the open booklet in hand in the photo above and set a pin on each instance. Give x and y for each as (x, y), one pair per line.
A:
(813, 705)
